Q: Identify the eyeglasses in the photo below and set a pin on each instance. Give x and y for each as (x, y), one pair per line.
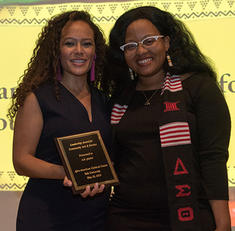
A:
(146, 42)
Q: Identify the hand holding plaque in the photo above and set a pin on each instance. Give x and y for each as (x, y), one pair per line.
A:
(86, 160)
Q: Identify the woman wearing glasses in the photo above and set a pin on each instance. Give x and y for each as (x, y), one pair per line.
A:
(171, 128)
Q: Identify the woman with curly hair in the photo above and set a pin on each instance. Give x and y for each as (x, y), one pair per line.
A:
(171, 128)
(57, 97)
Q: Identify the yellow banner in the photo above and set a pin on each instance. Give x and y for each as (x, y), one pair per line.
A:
(211, 21)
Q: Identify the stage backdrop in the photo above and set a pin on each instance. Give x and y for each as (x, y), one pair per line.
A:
(212, 22)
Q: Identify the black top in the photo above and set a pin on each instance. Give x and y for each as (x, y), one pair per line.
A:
(46, 204)
(139, 161)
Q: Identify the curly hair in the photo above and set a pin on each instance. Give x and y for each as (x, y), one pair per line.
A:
(184, 52)
(45, 61)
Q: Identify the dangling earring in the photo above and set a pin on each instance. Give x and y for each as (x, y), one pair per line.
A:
(168, 57)
(131, 74)
(58, 72)
(92, 73)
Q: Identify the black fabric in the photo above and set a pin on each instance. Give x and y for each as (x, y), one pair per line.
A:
(46, 204)
(150, 220)
(205, 107)
(137, 220)
(139, 160)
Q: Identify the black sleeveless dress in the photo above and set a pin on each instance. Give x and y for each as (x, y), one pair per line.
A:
(46, 204)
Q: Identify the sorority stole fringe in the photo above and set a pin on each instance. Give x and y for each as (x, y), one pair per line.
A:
(177, 153)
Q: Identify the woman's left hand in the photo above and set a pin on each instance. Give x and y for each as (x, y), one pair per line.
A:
(88, 191)
(92, 192)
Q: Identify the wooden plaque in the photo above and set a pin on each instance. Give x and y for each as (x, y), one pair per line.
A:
(86, 160)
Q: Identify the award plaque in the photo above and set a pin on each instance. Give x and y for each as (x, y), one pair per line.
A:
(86, 160)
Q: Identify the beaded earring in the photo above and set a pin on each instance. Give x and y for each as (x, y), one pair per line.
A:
(92, 73)
(131, 74)
(168, 57)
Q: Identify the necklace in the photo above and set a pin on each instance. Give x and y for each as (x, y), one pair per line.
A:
(147, 100)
